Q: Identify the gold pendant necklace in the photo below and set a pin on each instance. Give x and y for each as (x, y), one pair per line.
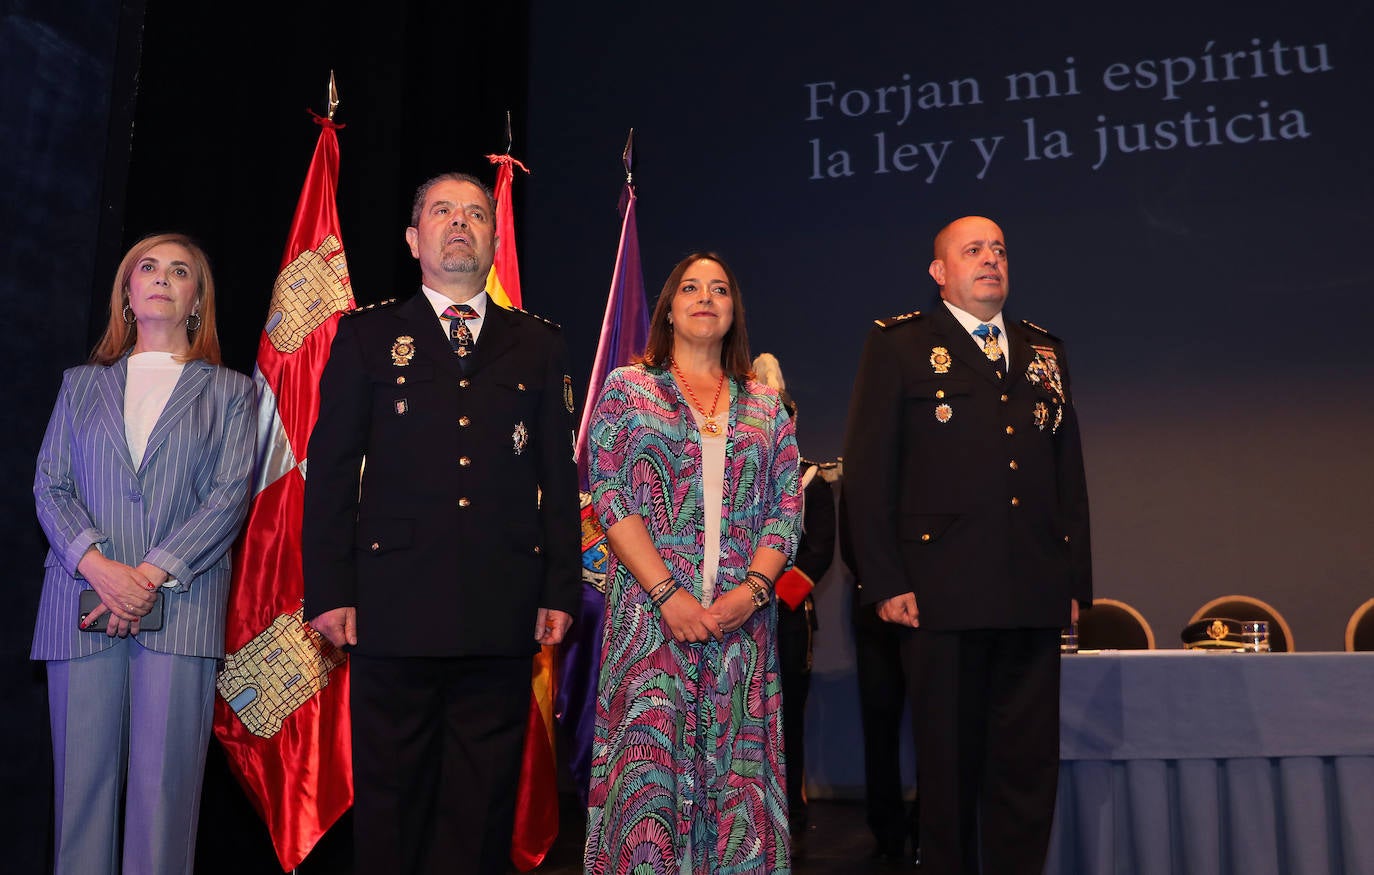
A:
(710, 426)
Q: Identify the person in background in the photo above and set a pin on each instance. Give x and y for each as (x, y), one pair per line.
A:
(883, 699)
(968, 507)
(142, 483)
(695, 481)
(797, 611)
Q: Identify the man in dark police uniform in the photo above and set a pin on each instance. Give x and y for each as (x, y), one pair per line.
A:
(969, 514)
(456, 555)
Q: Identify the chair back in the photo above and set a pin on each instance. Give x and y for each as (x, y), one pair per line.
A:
(1113, 625)
(1244, 607)
(1359, 632)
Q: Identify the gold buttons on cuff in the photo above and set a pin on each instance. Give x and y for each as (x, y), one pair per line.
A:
(463, 384)
(464, 461)
(1011, 430)
(1004, 399)
(400, 381)
(538, 549)
(464, 421)
(520, 386)
(925, 536)
(1014, 466)
(376, 546)
(465, 502)
(1015, 501)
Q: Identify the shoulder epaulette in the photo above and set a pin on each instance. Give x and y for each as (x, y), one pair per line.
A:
(547, 322)
(356, 310)
(1031, 325)
(896, 320)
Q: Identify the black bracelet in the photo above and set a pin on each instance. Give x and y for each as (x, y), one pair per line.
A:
(662, 597)
(658, 587)
(767, 581)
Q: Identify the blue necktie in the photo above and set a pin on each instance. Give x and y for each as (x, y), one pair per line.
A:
(991, 348)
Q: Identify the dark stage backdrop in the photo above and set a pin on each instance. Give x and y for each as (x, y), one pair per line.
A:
(1186, 192)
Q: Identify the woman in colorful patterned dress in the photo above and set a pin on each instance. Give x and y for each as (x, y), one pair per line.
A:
(694, 473)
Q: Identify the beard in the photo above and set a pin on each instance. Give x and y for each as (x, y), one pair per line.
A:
(459, 263)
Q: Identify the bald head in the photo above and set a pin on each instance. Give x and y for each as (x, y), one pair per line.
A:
(970, 266)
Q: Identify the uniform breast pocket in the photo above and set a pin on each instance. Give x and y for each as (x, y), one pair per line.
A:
(520, 396)
(937, 399)
(395, 394)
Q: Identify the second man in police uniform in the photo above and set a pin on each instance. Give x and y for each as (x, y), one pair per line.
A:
(968, 509)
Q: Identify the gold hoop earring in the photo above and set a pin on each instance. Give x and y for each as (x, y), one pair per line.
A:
(129, 317)
(189, 326)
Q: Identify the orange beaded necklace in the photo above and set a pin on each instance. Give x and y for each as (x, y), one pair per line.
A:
(710, 426)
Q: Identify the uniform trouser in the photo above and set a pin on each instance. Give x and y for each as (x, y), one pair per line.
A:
(882, 704)
(794, 661)
(129, 711)
(987, 730)
(436, 762)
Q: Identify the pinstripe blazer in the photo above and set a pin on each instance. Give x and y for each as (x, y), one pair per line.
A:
(180, 510)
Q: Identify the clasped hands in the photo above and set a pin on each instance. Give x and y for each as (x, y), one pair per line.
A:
(126, 593)
(690, 622)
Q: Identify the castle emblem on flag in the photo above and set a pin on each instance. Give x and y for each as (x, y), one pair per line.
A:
(276, 672)
(313, 287)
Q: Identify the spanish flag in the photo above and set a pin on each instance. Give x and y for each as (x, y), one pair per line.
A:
(503, 285)
(536, 800)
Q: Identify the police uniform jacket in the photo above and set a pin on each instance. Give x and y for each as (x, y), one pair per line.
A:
(966, 488)
(465, 520)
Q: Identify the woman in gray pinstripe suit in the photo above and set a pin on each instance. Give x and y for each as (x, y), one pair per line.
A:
(142, 484)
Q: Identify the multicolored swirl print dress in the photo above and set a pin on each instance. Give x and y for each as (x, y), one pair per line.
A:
(687, 771)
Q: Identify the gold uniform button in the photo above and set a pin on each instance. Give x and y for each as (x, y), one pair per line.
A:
(925, 536)
(1011, 430)
(464, 502)
(464, 461)
(939, 393)
(1014, 466)
(376, 546)
(1015, 501)
(538, 549)
(463, 384)
(1004, 399)
(1066, 539)
(464, 421)
(400, 381)
(520, 386)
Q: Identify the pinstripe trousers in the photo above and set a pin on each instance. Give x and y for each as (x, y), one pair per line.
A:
(129, 712)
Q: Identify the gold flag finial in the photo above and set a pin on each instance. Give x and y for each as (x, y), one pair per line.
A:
(332, 102)
(628, 158)
(510, 139)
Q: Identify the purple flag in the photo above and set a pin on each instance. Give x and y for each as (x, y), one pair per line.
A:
(624, 328)
(624, 334)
